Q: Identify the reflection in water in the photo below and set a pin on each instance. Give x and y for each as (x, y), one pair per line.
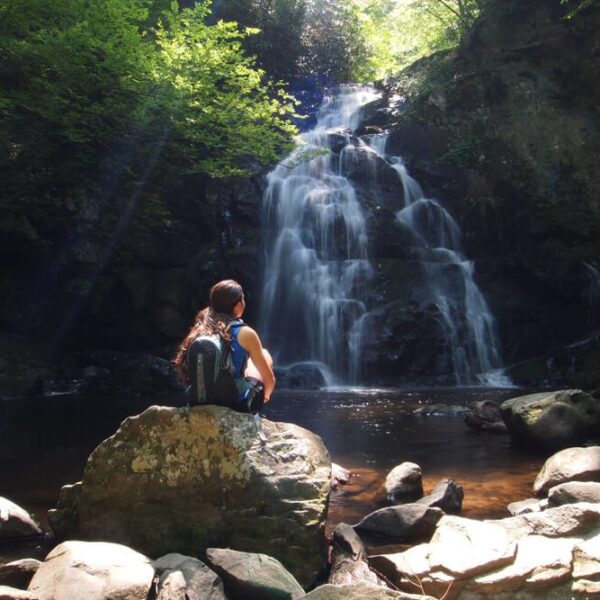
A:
(367, 431)
(371, 431)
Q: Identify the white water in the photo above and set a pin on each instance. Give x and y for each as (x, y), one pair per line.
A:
(317, 270)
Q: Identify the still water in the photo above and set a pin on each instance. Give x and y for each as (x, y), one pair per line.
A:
(367, 431)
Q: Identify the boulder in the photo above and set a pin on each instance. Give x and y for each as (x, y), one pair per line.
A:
(182, 480)
(349, 559)
(11, 593)
(63, 518)
(186, 578)
(463, 547)
(484, 415)
(360, 591)
(552, 419)
(446, 495)
(15, 522)
(440, 410)
(306, 376)
(404, 483)
(94, 571)
(403, 523)
(530, 505)
(249, 576)
(18, 573)
(574, 491)
(571, 464)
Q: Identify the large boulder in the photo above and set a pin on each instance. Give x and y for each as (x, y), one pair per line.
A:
(15, 522)
(186, 578)
(94, 571)
(484, 415)
(250, 576)
(183, 480)
(552, 419)
(571, 464)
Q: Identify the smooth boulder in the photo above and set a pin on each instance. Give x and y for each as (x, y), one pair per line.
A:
(552, 420)
(571, 464)
(484, 415)
(93, 571)
(15, 522)
(250, 576)
(402, 523)
(183, 480)
(404, 483)
(186, 578)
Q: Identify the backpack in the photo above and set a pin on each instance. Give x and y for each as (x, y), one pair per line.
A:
(212, 375)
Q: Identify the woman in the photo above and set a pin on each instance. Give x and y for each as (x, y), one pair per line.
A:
(252, 364)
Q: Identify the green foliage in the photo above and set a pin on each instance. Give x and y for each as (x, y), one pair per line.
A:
(111, 94)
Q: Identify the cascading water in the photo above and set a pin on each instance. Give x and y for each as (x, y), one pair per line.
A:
(464, 315)
(316, 266)
(317, 272)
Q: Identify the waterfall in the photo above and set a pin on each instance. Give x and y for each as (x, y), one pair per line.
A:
(316, 264)
(464, 314)
(317, 269)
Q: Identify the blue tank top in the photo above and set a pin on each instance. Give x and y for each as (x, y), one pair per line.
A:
(239, 356)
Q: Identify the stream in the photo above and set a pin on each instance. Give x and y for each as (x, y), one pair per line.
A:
(45, 444)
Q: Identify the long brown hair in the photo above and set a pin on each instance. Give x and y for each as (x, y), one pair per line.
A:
(214, 319)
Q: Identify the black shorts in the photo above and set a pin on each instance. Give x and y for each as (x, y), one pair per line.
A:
(254, 399)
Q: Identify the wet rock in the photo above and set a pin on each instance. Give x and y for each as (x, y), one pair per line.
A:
(360, 591)
(11, 593)
(440, 410)
(18, 573)
(404, 483)
(574, 491)
(306, 376)
(446, 495)
(530, 505)
(463, 547)
(182, 480)
(571, 464)
(484, 415)
(94, 571)
(405, 522)
(186, 578)
(15, 522)
(249, 576)
(349, 559)
(552, 420)
(339, 476)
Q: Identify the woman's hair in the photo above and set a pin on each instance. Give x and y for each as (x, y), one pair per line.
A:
(214, 319)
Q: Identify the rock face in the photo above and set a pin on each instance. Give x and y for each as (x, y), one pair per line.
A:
(182, 480)
(404, 483)
(94, 571)
(15, 521)
(360, 591)
(552, 420)
(571, 464)
(249, 576)
(184, 577)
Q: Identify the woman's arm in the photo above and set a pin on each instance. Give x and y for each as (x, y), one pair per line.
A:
(250, 341)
